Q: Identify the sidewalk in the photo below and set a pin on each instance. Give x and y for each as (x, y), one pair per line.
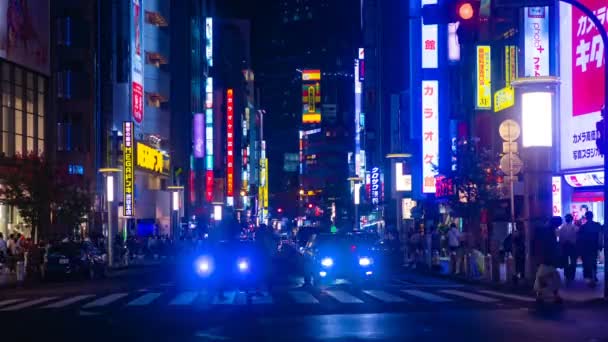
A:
(9, 279)
(576, 291)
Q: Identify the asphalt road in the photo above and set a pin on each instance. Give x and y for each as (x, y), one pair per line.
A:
(150, 305)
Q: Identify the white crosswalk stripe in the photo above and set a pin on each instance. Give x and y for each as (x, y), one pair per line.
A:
(146, 299)
(184, 298)
(471, 296)
(28, 304)
(66, 302)
(427, 296)
(106, 300)
(10, 301)
(302, 297)
(343, 297)
(227, 299)
(384, 296)
(508, 295)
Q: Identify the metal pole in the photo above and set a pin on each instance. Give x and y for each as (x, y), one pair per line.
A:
(110, 237)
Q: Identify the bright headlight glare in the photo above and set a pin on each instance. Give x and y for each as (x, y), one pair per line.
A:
(243, 265)
(327, 262)
(204, 265)
(365, 261)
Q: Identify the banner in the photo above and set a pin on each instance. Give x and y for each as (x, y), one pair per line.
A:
(128, 169)
(484, 78)
(230, 143)
(311, 96)
(137, 65)
(536, 41)
(430, 134)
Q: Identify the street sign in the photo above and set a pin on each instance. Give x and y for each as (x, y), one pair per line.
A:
(509, 147)
(510, 179)
(511, 164)
(509, 130)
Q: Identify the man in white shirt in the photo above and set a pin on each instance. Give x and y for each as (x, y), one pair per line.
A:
(567, 241)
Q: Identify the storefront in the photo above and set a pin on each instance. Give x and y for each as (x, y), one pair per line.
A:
(152, 205)
(578, 193)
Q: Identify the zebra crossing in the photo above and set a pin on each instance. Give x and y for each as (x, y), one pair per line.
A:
(304, 297)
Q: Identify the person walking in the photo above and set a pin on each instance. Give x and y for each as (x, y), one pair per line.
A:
(567, 243)
(589, 236)
(547, 251)
(3, 250)
(453, 238)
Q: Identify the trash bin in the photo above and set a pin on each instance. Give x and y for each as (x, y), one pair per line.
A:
(20, 268)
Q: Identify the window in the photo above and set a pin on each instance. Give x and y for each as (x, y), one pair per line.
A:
(18, 122)
(40, 146)
(19, 97)
(30, 80)
(18, 144)
(30, 125)
(30, 144)
(40, 104)
(5, 119)
(41, 127)
(30, 101)
(5, 145)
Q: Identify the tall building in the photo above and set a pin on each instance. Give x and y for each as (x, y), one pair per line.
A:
(24, 89)
(306, 35)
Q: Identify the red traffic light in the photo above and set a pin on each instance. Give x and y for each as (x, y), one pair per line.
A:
(465, 11)
(309, 205)
(280, 210)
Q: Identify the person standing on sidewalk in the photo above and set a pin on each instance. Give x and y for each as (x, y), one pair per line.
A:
(589, 237)
(3, 251)
(453, 238)
(547, 251)
(567, 242)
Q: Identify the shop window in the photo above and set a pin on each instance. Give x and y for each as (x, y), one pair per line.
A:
(40, 104)
(30, 144)
(18, 122)
(6, 148)
(41, 127)
(40, 146)
(30, 101)
(30, 125)
(18, 144)
(19, 97)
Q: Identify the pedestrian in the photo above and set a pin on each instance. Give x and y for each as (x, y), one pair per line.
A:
(589, 237)
(567, 242)
(547, 251)
(3, 250)
(453, 238)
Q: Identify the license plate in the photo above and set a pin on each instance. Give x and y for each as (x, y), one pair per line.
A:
(63, 261)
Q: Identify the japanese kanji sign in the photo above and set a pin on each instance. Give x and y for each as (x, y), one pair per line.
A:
(375, 186)
(230, 143)
(536, 41)
(430, 134)
(581, 90)
(430, 55)
(484, 78)
(137, 66)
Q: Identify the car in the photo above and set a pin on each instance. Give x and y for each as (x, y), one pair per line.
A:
(69, 259)
(227, 264)
(332, 256)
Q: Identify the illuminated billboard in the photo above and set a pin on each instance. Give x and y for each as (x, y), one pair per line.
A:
(230, 146)
(198, 135)
(536, 41)
(209, 139)
(556, 192)
(430, 134)
(430, 36)
(209, 40)
(128, 169)
(484, 78)
(311, 96)
(24, 33)
(149, 158)
(582, 86)
(137, 65)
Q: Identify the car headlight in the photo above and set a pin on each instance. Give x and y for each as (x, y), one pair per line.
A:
(243, 265)
(327, 262)
(204, 266)
(365, 261)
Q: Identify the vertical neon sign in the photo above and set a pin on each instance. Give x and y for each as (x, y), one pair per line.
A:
(230, 146)
(209, 140)
(128, 171)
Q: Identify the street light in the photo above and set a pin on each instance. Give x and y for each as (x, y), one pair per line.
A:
(108, 173)
(175, 205)
(356, 185)
(394, 158)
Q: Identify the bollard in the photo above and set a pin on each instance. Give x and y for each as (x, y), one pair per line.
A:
(510, 268)
(453, 263)
(20, 270)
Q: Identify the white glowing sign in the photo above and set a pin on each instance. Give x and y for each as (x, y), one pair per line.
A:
(536, 41)
(430, 134)
(579, 180)
(209, 40)
(536, 113)
(430, 44)
(556, 192)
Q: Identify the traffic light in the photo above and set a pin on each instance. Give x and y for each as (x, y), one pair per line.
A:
(310, 205)
(279, 210)
(463, 12)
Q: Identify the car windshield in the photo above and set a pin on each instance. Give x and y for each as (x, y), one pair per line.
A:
(66, 249)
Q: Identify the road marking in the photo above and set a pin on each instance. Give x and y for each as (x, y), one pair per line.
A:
(184, 298)
(302, 297)
(508, 295)
(10, 301)
(265, 298)
(471, 296)
(427, 296)
(384, 296)
(145, 299)
(103, 301)
(343, 297)
(228, 298)
(66, 302)
(404, 282)
(28, 304)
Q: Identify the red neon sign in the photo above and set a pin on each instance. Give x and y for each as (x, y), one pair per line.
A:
(230, 143)
(209, 186)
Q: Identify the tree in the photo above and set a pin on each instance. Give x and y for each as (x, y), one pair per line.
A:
(73, 205)
(30, 189)
(475, 179)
